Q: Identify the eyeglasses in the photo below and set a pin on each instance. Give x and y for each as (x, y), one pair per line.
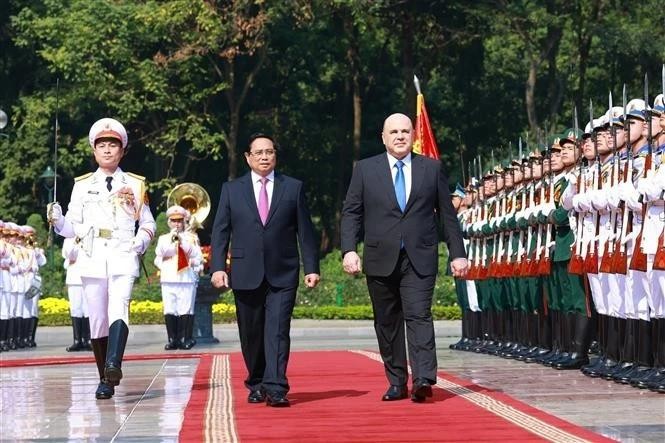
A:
(266, 152)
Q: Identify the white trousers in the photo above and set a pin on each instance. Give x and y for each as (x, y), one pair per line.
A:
(598, 293)
(78, 307)
(30, 307)
(178, 298)
(4, 305)
(108, 300)
(614, 289)
(472, 296)
(656, 296)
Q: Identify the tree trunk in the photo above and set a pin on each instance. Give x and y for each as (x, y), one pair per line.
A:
(530, 96)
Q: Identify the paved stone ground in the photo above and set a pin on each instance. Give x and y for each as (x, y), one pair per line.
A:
(56, 403)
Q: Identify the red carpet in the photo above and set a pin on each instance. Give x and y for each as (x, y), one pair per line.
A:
(335, 397)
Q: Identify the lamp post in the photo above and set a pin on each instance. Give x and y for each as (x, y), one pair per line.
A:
(48, 181)
(3, 122)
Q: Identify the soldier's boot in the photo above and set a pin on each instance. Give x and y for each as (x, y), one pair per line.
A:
(11, 344)
(476, 331)
(557, 333)
(612, 345)
(658, 368)
(4, 325)
(26, 332)
(542, 335)
(580, 344)
(509, 325)
(118, 333)
(171, 322)
(76, 332)
(627, 353)
(644, 356)
(99, 348)
(188, 341)
(601, 321)
(567, 336)
(18, 332)
(657, 381)
(456, 346)
(85, 334)
(32, 330)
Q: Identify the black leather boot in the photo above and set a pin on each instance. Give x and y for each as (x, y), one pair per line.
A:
(611, 360)
(627, 353)
(4, 324)
(85, 334)
(99, 347)
(33, 322)
(11, 325)
(580, 344)
(76, 331)
(18, 332)
(644, 356)
(188, 341)
(171, 322)
(118, 333)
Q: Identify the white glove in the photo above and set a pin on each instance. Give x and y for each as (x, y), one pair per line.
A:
(169, 251)
(630, 195)
(54, 214)
(649, 189)
(137, 246)
(613, 198)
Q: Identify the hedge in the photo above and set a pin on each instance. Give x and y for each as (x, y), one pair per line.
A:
(55, 312)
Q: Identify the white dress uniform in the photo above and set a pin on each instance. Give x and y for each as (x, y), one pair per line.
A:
(77, 304)
(110, 244)
(179, 258)
(178, 286)
(108, 215)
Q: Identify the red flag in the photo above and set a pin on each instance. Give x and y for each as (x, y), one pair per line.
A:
(424, 141)
(183, 261)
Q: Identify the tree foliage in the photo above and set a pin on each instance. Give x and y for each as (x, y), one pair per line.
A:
(192, 79)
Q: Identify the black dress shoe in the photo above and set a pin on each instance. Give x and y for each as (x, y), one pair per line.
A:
(421, 390)
(277, 400)
(395, 393)
(256, 397)
(104, 391)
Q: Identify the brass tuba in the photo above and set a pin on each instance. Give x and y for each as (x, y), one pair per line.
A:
(193, 198)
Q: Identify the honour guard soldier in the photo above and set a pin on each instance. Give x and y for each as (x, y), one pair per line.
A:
(78, 307)
(178, 257)
(34, 259)
(109, 216)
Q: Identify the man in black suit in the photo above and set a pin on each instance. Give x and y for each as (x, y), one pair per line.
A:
(262, 216)
(395, 199)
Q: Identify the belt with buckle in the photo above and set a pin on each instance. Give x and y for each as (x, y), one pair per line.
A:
(104, 233)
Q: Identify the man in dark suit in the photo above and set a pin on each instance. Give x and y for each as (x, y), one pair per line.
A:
(395, 199)
(262, 216)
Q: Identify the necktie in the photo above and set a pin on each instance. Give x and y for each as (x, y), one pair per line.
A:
(108, 182)
(263, 201)
(400, 186)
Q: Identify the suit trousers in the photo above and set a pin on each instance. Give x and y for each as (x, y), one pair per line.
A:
(404, 297)
(264, 324)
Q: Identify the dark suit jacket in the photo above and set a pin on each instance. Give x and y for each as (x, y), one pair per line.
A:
(258, 251)
(371, 205)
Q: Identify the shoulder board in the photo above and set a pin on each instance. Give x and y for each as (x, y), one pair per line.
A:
(83, 177)
(136, 176)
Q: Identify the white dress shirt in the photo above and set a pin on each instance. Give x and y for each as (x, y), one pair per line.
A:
(270, 185)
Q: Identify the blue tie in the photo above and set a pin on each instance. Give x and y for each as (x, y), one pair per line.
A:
(400, 187)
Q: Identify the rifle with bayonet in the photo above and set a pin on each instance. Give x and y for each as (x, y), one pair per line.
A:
(620, 259)
(576, 264)
(591, 259)
(638, 261)
(608, 251)
(659, 258)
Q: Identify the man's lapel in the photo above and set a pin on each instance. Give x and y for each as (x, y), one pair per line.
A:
(248, 192)
(277, 192)
(385, 180)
